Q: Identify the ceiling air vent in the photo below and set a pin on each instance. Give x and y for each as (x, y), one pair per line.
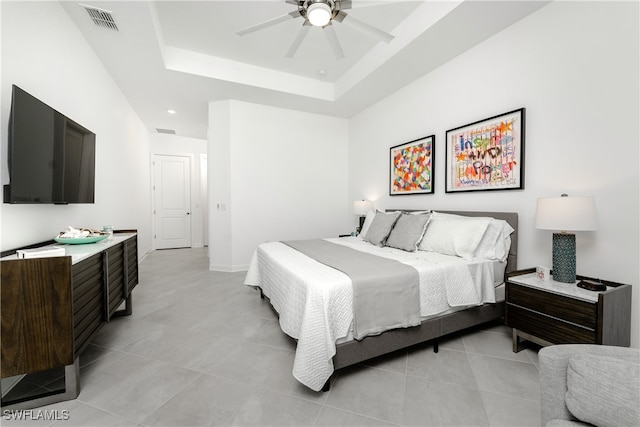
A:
(169, 131)
(101, 18)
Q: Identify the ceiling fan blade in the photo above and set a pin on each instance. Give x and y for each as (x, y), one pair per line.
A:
(349, 20)
(349, 4)
(268, 23)
(304, 30)
(333, 41)
(296, 2)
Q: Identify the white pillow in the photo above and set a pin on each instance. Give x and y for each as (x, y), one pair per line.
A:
(367, 223)
(496, 241)
(454, 235)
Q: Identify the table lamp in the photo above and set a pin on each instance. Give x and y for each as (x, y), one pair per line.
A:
(564, 214)
(361, 208)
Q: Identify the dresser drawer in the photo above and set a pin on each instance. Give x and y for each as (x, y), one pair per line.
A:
(568, 309)
(553, 330)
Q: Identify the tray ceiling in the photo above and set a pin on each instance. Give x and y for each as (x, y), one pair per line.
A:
(181, 55)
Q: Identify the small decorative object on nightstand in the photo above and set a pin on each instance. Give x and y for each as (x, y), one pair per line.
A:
(552, 312)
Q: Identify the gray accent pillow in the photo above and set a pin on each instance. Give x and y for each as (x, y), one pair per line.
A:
(603, 390)
(381, 227)
(408, 231)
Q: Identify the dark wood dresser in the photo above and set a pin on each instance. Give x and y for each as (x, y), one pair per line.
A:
(52, 307)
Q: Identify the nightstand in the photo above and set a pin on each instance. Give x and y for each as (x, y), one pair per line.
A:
(550, 312)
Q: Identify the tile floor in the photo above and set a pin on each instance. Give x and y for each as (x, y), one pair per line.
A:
(203, 349)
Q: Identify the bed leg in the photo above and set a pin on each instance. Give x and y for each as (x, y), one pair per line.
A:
(261, 294)
(327, 385)
(435, 345)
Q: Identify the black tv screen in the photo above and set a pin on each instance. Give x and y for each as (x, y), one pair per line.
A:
(51, 157)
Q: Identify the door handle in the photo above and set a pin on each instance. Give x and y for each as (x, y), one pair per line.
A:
(188, 213)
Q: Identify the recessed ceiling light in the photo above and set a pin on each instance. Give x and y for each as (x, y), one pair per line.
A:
(171, 111)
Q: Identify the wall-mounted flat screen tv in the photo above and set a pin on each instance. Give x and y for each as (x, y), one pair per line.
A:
(51, 157)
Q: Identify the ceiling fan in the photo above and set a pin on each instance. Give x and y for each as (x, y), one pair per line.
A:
(321, 13)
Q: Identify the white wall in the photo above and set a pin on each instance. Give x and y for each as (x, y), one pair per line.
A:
(280, 174)
(45, 54)
(195, 149)
(219, 174)
(574, 67)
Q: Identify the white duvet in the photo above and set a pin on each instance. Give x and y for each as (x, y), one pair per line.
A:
(315, 302)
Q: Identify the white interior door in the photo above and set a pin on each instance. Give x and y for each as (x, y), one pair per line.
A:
(172, 201)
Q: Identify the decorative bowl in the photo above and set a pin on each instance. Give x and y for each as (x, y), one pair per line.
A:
(79, 240)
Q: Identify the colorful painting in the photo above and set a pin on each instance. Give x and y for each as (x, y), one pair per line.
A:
(412, 167)
(487, 154)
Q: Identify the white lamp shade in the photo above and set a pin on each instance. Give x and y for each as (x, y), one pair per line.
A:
(362, 207)
(319, 14)
(566, 214)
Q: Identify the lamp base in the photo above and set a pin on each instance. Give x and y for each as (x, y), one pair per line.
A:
(564, 257)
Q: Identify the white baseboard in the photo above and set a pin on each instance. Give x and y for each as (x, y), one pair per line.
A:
(141, 258)
(228, 268)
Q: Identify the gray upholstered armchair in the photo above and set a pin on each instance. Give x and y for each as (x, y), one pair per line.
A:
(594, 384)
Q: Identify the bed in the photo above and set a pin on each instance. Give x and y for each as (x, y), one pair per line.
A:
(317, 304)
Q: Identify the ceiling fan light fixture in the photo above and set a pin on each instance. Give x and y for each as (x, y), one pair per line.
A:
(319, 14)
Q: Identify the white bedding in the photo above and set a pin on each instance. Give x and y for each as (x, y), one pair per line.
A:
(315, 302)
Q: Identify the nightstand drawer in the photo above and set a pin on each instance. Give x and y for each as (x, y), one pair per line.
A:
(567, 309)
(553, 330)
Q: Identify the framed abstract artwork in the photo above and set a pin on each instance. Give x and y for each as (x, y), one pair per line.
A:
(411, 167)
(487, 154)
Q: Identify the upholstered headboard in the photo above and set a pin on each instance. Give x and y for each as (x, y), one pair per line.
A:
(510, 217)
